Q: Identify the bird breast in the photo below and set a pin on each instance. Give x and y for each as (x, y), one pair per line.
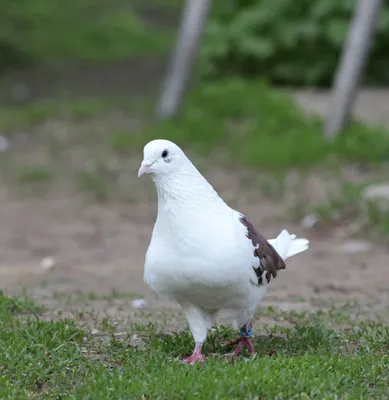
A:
(205, 252)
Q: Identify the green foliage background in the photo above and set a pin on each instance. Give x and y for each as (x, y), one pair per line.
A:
(50, 31)
(287, 41)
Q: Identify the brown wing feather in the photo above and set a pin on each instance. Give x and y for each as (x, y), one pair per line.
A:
(270, 261)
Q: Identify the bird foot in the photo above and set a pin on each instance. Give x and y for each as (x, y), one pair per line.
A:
(195, 357)
(241, 342)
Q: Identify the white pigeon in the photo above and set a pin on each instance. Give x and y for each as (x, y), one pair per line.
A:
(203, 254)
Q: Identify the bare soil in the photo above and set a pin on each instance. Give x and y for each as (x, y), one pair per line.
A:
(99, 248)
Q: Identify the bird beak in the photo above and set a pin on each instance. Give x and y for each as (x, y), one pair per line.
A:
(144, 168)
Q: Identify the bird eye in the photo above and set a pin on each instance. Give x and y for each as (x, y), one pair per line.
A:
(165, 153)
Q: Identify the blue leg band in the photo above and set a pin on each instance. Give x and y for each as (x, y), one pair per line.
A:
(246, 331)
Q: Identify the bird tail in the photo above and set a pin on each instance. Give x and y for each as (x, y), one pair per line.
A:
(288, 245)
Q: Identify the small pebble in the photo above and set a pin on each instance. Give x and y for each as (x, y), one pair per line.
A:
(309, 221)
(139, 303)
(48, 263)
(4, 144)
(376, 192)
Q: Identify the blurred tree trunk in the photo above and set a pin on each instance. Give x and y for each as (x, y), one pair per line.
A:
(351, 66)
(188, 40)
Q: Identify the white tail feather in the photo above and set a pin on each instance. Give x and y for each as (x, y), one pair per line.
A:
(288, 245)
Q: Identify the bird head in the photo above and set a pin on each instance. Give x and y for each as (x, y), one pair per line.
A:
(161, 157)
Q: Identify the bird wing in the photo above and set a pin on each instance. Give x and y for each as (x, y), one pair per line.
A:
(269, 260)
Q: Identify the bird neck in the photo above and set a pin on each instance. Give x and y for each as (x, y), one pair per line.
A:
(185, 192)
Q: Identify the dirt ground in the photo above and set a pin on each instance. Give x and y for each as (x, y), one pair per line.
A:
(98, 249)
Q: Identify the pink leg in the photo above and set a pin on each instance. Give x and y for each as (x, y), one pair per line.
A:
(196, 355)
(242, 342)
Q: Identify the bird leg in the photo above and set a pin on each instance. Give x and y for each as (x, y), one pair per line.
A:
(196, 355)
(246, 333)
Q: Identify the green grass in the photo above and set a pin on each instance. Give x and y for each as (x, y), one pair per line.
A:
(33, 174)
(95, 182)
(245, 123)
(32, 115)
(348, 207)
(252, 125)
(85, 30)
(10, 306)
(316, 359)
(241, 123)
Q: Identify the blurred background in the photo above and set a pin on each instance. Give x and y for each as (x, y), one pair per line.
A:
(79, 83)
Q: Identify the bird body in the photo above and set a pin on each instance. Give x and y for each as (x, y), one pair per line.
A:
(203, 254)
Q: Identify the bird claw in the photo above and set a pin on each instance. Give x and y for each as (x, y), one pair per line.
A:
(195, 357)
(241, 342)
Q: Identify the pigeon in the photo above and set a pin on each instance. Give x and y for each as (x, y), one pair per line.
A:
(203, 254)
